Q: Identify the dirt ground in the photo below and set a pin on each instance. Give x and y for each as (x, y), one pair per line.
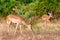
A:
(26, 34)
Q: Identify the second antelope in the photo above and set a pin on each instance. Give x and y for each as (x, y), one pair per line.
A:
(46, 18)
(18, 20)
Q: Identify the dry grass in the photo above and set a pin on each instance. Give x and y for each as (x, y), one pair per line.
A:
(41, 31)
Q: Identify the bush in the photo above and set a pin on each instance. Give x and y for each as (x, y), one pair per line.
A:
(27, 8)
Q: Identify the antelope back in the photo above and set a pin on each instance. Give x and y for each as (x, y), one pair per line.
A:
(14, 18)
(45, 17)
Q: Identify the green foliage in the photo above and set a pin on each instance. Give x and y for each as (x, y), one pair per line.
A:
(27, 8)
(6, 7)
(25, 1)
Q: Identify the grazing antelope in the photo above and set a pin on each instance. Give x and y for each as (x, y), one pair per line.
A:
(18, 20)
(46, 18)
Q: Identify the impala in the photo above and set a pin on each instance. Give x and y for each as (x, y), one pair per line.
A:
(18, 20)
(46, 18)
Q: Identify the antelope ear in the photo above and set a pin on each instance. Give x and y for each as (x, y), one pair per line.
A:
(49, 13)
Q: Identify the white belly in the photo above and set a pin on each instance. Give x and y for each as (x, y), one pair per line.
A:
(14, 20)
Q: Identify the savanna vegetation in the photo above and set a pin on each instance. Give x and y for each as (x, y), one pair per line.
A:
(33, 9)
(29, 7)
